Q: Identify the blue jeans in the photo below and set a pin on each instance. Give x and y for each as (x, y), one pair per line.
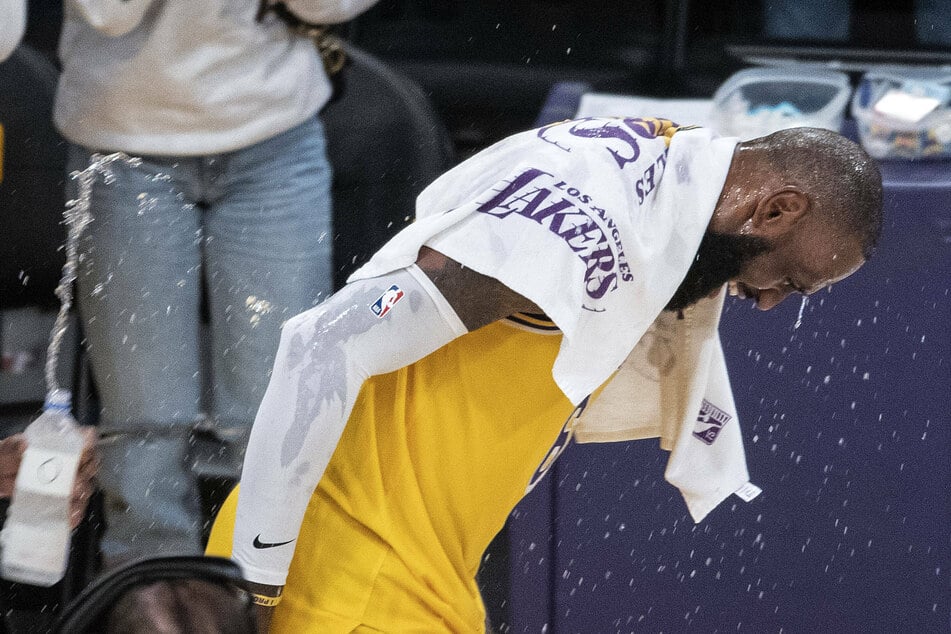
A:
(250, 232)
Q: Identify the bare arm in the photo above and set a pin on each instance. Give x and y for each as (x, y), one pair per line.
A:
(85, 483)
(11, 454)
(477, 299)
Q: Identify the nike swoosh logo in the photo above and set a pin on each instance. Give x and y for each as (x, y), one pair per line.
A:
(257, 543)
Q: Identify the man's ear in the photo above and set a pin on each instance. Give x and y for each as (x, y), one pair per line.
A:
(779, 212)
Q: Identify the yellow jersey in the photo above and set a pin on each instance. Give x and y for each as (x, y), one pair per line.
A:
(432, 461)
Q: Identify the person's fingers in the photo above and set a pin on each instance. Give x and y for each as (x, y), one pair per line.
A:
(90, 461)
(12, 444)
(77, 510)
(85, 483)
(6, 485)
(89, 466)
(11, 453)
(90, 437)
(79, 500)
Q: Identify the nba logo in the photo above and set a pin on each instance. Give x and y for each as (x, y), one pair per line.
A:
(710, 421)
(386, 301)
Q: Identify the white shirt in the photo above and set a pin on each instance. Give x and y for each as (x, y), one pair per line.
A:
(12, 25)
(184, 78)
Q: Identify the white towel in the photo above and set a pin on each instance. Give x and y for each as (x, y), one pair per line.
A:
(674, 385)
(597, 221)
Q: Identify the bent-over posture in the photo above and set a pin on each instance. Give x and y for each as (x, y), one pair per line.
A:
(565, 282)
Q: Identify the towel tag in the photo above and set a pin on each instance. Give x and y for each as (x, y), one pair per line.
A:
(748, 492)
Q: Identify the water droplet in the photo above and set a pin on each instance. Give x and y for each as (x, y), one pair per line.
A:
(802, 307)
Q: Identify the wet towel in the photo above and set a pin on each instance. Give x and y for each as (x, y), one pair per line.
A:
(597, 221)
(674, 386)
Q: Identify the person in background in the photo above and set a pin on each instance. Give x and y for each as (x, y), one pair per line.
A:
(162, 595)
(12, 26)
(186, 606)
(226, 209)
(564, 283)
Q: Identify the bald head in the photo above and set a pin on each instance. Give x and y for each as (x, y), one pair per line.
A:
(841, 179)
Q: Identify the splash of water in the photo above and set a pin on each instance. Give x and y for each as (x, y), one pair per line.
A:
(76, 217)
(802, 307)
(258, 308)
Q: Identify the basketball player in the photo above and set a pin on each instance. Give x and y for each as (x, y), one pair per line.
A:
(411, 411)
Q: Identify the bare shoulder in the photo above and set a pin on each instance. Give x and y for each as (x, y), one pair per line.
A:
(477, 299)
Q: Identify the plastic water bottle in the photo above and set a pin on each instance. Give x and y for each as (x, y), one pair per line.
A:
(35, 537)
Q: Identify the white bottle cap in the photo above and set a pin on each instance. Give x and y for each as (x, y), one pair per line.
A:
(58, 399)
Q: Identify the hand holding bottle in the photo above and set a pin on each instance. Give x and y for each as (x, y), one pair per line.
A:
(53, 483)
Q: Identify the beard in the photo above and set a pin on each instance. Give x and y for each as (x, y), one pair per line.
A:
(719, 259)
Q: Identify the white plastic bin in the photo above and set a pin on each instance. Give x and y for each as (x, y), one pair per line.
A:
(758, 101)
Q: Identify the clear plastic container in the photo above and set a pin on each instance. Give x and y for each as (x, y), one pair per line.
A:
(904, 112)
(758, 101)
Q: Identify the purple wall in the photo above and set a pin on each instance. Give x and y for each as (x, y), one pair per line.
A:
(847, 426)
